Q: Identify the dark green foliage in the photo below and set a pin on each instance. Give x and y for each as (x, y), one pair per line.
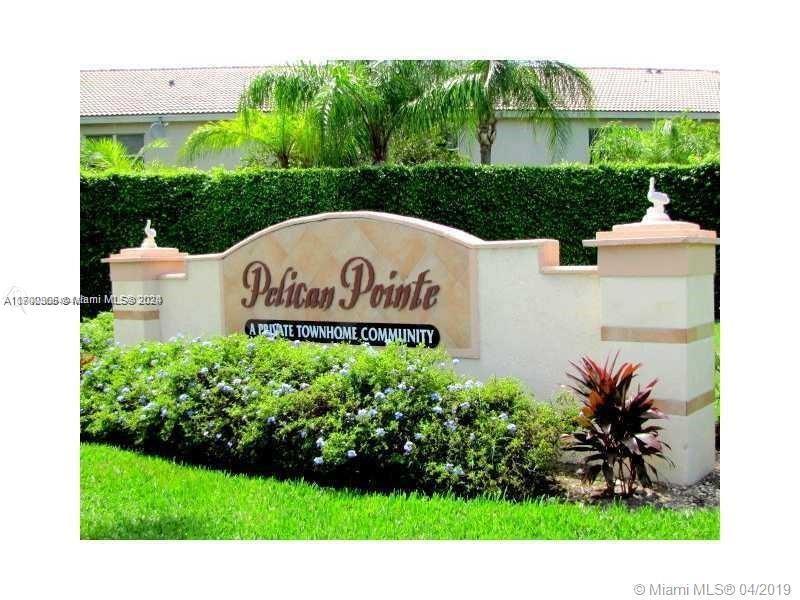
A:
(209, 212)
(401, 417)
(426, 148)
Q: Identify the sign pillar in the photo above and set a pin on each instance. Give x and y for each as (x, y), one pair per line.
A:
(657, 296)
(135, 274)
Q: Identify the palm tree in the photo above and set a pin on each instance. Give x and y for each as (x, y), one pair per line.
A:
(474, 93)
(282, 138)
(108, 154)
(366, 103)
(105, 153)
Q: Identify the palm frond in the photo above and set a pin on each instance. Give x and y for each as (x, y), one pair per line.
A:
(106, 153)
(457, 102)
(363, 103)
(266, 138)
(546, 89)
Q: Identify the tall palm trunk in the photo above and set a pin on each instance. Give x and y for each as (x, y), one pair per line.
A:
(487, 133)
(380, 151)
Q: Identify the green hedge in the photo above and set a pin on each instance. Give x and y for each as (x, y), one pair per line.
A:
(209, 212)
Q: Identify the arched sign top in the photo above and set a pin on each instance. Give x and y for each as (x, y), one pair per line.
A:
(356, 276)
(456, 235)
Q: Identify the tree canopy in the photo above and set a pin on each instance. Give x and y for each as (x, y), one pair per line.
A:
(268, 139)
(347, 113)
(358, 107)
(475, 90)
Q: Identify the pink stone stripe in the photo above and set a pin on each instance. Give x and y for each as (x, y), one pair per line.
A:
(136, 315)
(682, 408)
(657, 335)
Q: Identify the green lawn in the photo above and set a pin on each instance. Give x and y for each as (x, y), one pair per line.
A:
(125, 495)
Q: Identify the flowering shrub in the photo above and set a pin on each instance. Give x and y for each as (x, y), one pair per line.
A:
(97, 334)
(401, 417)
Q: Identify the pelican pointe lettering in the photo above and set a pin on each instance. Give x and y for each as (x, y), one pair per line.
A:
(358, 283)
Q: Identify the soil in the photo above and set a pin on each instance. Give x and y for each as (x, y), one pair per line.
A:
(704, 493)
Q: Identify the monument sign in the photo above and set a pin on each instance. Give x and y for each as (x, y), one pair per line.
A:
(355, 277)
(506, 308)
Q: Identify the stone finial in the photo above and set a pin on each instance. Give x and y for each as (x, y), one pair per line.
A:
(150, 240)
(656, 213)
(656, 224)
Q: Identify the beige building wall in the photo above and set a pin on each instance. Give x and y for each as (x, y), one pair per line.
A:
(176, 133)
(521, 143)
(518, 141)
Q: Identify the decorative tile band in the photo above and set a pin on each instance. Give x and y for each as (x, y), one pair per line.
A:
(656, 335)
(136, 315)
(682, 408)
(145, 270)
(656, 260)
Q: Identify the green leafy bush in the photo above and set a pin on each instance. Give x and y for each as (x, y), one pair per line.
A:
(400, 417)
(97, 334)
(677, 141)
(209, 212)
(437, 146)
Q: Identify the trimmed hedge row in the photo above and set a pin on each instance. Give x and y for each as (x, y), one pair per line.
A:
(208, 212)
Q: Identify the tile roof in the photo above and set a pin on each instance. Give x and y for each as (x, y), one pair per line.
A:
(216, 90)
(668, 90)
(163, 91)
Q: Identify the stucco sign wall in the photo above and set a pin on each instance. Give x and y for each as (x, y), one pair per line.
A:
(506, 308)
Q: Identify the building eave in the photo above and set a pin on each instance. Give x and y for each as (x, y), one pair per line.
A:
(504, 114)
(618, 114)
(175, 117)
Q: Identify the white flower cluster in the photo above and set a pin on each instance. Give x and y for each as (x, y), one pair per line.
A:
(469, 384)
(283, 389)
(364, 414)
(454, 469)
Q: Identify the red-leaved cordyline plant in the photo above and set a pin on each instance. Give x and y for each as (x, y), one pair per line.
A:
(613, 422)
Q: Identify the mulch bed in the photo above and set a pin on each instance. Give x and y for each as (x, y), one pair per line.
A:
(702, 494)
